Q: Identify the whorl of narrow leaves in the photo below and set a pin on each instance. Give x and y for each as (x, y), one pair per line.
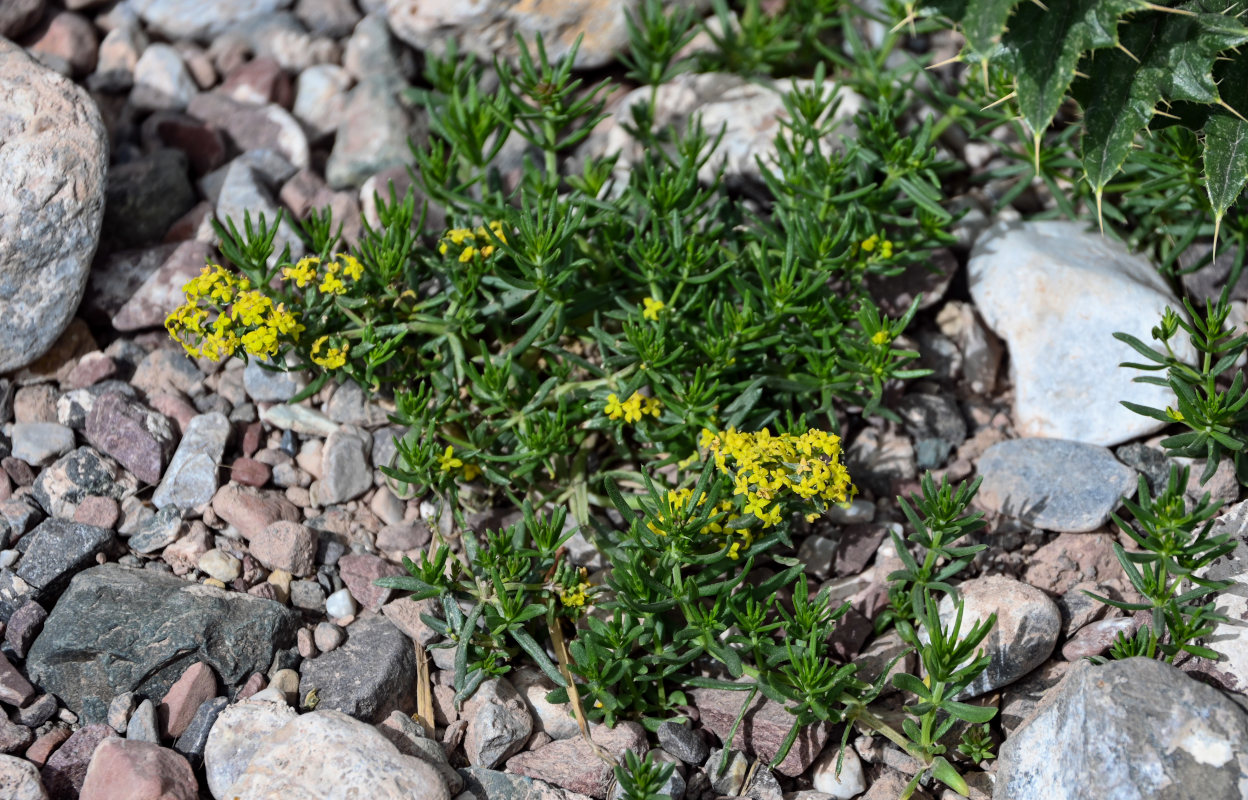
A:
(1127, 62)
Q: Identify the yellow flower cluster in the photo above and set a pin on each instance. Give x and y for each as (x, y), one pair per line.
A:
(722, 522)
(652, 308)
(471, 242)
(245, 318)
(578, 594)
(873, 241)
(308, 271)
(448, 462)
(765, 468)
(333, 357)
(632, 409)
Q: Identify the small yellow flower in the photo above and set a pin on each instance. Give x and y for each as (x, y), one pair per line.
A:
(471, 471)
(881, 337)
(870, 242)
(351, 267)
(614, 409)
(333, 358)
(651, 406)
(652, 308)
(632, 408)
(1174, 414)
(447, 461)
(303, 272)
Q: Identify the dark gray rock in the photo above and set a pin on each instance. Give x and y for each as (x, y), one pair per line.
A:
(1127, 730)
(936, 423)
(57, 549)
(488, 784)
(53, 161)
(146, 196)
(193, 740)
(683, 742)
(117, 629)
(1054, 484)
(83, 473)
(1151, 462)
(368, 677)
(158, 531)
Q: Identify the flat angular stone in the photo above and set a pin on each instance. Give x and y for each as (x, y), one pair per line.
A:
(122, 769)
(66, 769)
(763, 728)
(368, 676)
(142, 440)
(117, 629)
(191, 479)
(158, 531)
(1056, 292)
(1054, 484)
(1126, 730)
(56, 549)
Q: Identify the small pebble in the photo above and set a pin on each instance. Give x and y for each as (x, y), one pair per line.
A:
(306, 644)
(328, 636)
(285, 681)
(340, 604)
(220, 565)
(214, 582)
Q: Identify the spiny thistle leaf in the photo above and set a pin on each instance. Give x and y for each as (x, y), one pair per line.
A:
(1163, 57)
(1043, 46)
(984, 24)
(1226, 142)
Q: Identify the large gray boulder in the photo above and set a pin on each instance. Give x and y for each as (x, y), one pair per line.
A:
(53, 168)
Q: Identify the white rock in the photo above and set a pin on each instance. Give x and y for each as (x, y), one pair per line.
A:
(749, 112)
(161, 80)
(1057, 293)
(201, 19)
(20, 779)
(340, 604)
(191, 478)
(849, 783)
(236, 735)
(326, 755)
(220, 565)
(321, 98)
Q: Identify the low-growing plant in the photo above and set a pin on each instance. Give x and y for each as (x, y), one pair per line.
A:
(1213, 409)
(593, 319)
(1175, 546)
(637, 345)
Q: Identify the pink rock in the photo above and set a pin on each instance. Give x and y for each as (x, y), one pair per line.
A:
(102, 512)
(194, 224)
(253, 127)
(18, 471)
(572, 764)
(266, 590)
(177, 708)
(1096, 639)
(66, 769)
(136, 770)
(1071, 558)
(183, 555)
(203, 144)
(259, 81)
(14, 688)
(43, 745)
(24, 626)
(176, 407)
(285, 545)
(142, 440)
(255, 682)
(250, 472)
(251, 439)
(90, 370)
(162, 292)
(252, 510)
(68, 37)
(763, 728)
(359, 570)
